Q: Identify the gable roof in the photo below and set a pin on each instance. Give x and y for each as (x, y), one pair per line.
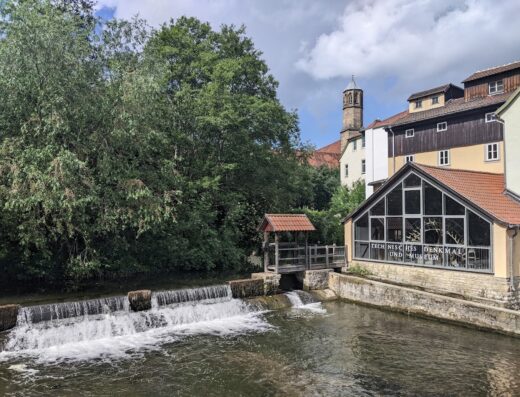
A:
(286, 223)
(481, 190)
(431, 91)
(326, 156)
(388, 121)
(491, 71)
(453, 106)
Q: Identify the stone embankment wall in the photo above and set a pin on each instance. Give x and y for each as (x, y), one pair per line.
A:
(8, 315)
(414, 301)
(485, 288)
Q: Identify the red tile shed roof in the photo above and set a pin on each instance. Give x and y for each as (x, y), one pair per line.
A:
(484, 190)
(286, 223)
(326, 156)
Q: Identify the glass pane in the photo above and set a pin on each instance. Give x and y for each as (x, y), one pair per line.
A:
(413, 254)
(378, 229)
(432, 230)
(455, 231)
(412, 181)
(433, 256)
(432, 200)
(455, 257)
(478, 259)
(452, 207)
(394, 252)
(377, 251)
(479, 230)
(394, 201)
(379, 208)
(413, 230)
(361, 250)
(412, 201)
(361, 228)
(394, 229)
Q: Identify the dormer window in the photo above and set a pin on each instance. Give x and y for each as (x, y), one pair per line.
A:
(435, 100)
(418, 104)
(496, 87)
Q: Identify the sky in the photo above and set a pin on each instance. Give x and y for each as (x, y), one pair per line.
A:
(393, 47)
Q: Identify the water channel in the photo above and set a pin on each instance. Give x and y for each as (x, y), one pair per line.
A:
(201, 342)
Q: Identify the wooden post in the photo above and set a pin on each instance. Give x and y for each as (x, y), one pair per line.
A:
(276, 252)
(327, 256)
(334, 253)
(266, 251)
(307, 262)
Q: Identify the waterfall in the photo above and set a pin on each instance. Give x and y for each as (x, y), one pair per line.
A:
(302, 300)
(210, 293)
(106, 327)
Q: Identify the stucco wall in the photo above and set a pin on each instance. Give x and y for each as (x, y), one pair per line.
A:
(426, 103)
(353, 158)
(464, 158)
(511, 118)
(376, 154)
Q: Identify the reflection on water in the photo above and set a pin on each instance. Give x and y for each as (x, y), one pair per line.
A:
(350, 351)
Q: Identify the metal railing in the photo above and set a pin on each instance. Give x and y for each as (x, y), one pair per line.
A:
(292, 257)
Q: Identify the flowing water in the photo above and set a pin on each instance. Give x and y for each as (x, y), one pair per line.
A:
(201, 342)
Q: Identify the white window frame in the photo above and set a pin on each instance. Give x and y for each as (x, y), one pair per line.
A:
(354, 145)
(346, 170)
(447, 157)
(435, 100)
(490, 117)
(409, 159)
(409, 133)
(493, 87)
(486, 151)
(442, 126)
(418, 104)
(363, 167)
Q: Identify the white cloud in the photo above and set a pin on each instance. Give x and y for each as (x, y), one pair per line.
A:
(416, 41)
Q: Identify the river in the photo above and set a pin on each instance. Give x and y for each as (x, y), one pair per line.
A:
(207, 344)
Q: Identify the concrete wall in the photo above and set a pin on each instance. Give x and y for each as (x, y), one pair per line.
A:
(424, 303)
(353, 159)
(464, 158)
(376, 154)
(511, 117)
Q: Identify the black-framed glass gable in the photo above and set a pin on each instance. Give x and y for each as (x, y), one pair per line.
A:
(418, 223)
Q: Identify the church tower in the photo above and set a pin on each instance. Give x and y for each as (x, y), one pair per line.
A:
(352, 112)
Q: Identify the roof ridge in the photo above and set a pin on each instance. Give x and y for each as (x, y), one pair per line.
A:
(496, 67)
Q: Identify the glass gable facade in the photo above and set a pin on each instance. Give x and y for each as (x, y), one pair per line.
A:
(417, 223)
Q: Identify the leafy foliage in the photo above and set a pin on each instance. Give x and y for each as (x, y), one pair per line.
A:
(126, 150)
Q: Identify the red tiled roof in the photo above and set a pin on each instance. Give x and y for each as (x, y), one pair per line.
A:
(326, 156)
(484, 190)
(286, 223)
(388, 121)
(491, 71)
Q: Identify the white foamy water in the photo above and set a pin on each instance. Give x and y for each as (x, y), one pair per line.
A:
(301, 300)
(122, 332)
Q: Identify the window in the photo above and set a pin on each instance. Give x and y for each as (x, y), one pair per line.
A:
(409, 133)
(354, 144)
(444, 157)
(492, 152)
(435, 100)
(418, 104)
(442, 126)
(346, 170)
(363, 167)
(363, 141)
(436, 230)
(496, 87)
(410, 158)
(490, 117)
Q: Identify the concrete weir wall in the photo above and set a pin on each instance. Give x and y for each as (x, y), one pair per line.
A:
(409, 300)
